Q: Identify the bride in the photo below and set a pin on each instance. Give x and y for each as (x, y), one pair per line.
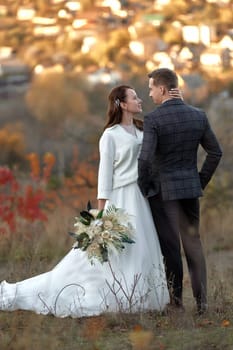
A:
(133, 280)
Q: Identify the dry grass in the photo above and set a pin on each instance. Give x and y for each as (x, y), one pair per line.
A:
(36, 252)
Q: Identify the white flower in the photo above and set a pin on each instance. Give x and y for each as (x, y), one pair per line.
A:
(93, 230)
(93, 249)
(108, 225)
(94, 212)
(106, 235)
(80, 227)
(103, 235)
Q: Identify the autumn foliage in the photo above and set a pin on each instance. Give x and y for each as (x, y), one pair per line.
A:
(18, 201)
(31, 199)
(12, 144)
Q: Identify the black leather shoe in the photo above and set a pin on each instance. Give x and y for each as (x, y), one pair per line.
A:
(174, 309)
(201, 308)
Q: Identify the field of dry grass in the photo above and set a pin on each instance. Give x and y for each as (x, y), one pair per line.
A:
(22, 256)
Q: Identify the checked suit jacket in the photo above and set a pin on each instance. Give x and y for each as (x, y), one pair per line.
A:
(167, 162)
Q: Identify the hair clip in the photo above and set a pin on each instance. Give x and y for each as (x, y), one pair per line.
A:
(117, 102)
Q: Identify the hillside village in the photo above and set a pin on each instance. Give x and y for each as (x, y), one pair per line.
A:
(106, 38)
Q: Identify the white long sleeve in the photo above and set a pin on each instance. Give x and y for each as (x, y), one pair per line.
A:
(105, 175)
(118, 167)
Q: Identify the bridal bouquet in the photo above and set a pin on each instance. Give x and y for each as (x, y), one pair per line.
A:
(99, 232)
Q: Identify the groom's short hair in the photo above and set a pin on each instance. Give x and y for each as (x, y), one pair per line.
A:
(164, 76)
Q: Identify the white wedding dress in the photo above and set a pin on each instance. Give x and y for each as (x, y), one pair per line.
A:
(134, 281)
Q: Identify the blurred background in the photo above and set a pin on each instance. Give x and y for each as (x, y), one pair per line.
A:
(60, 58)
(58, 61)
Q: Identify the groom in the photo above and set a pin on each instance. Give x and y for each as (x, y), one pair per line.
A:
(169, 177)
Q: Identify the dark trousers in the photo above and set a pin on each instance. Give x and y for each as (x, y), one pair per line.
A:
(177, 220)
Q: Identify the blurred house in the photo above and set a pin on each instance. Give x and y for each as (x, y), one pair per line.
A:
(211, 59)
(14, 76)
(47, 31)
(162, 59)
(137, 48)
(73, 6)
(104, 76)
(55, 2)
(159, 4)
(6, 52)
(219, 1)
(25, 13)
(226, 43)
(3, 10)
(44, 21)
(185, 54)
(114, 4)
(198, 34)
(219, 55)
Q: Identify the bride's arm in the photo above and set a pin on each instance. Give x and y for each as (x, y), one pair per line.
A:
(105, 172)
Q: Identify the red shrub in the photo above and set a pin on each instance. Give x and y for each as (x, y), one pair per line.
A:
(17, 201)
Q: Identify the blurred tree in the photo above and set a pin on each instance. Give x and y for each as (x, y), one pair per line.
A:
(87, 4)
(172, 35)
(107, 48)
(178, 8)
(118, 39)
(42, 6)
(220, 115)
(16, 36)
(67, 44)
(99, 53)
(39, 52)
(2, 38)
(84, 61)
(55, 97)
(12, 144)
(98, 100)
(230, 88)
(60, 105)
(225, 16)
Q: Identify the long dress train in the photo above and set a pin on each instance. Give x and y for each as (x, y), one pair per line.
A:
(133, 281)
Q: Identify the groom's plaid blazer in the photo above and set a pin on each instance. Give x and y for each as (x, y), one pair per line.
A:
(168, 158)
